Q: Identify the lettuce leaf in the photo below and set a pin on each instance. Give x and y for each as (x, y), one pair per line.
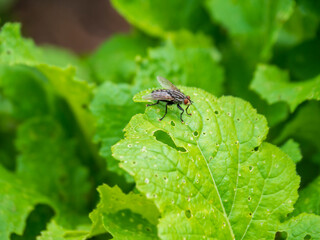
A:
(115, 59)
(218, 179)
(15, 50)
(303, 127)
(302, 25)
(192, 66)
(273, 85)
(292, 149)
(148, 15)
(309, 199)
(44, 150)
(113, 107)
(252, 25)
(129, 216)
(17, 200)
(57, 232)
(304, 226)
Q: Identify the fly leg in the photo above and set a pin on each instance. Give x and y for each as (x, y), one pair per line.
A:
(181, 112)
(168, 103)
(187, 110)
(148, 105)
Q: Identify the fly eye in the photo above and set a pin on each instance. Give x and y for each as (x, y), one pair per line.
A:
(188, 97)
(186, 101)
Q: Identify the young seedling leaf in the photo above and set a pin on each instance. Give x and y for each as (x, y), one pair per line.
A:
(221, 180)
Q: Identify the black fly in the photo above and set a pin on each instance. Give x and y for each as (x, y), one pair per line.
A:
(171, 95)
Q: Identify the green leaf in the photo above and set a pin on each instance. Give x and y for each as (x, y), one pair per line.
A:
(310, 5)
(303, 127)
(253, 25)
(304, 226)
(48, 163)
(192, 66)
(183, 39)
(26, 89)
(302, 61)
(302, 25)
(219, 180)
(52, 55)
(273, 85)
(17, 200)
(129, 216)
(148, 15)
(291, 148)
(239, 71)
(113, 107)
(77, 94)
(309, 199)
(57, 232)
(115, 59)
(15, 50)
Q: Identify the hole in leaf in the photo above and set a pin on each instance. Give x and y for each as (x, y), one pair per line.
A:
(307, 237)
(195, 133)
(249, 199)
(188, 213)
(101, 236)
(133, 162)
(204, 133)
(172, 123)
(148, 229)
(281, 235)
(256, 149)
(238, 119)
(164, 137)
(250, 214)
(36, 222)
(216, 112)
(250, 168)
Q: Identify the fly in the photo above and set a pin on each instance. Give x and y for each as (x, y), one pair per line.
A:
(170, 95)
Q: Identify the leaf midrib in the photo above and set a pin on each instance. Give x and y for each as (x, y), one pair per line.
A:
(213, 181)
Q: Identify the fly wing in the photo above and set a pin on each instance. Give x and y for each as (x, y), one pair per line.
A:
(159, 95)
(148, 97)
(166, 84)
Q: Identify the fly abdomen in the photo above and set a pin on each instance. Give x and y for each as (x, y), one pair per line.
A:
(177, 96)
